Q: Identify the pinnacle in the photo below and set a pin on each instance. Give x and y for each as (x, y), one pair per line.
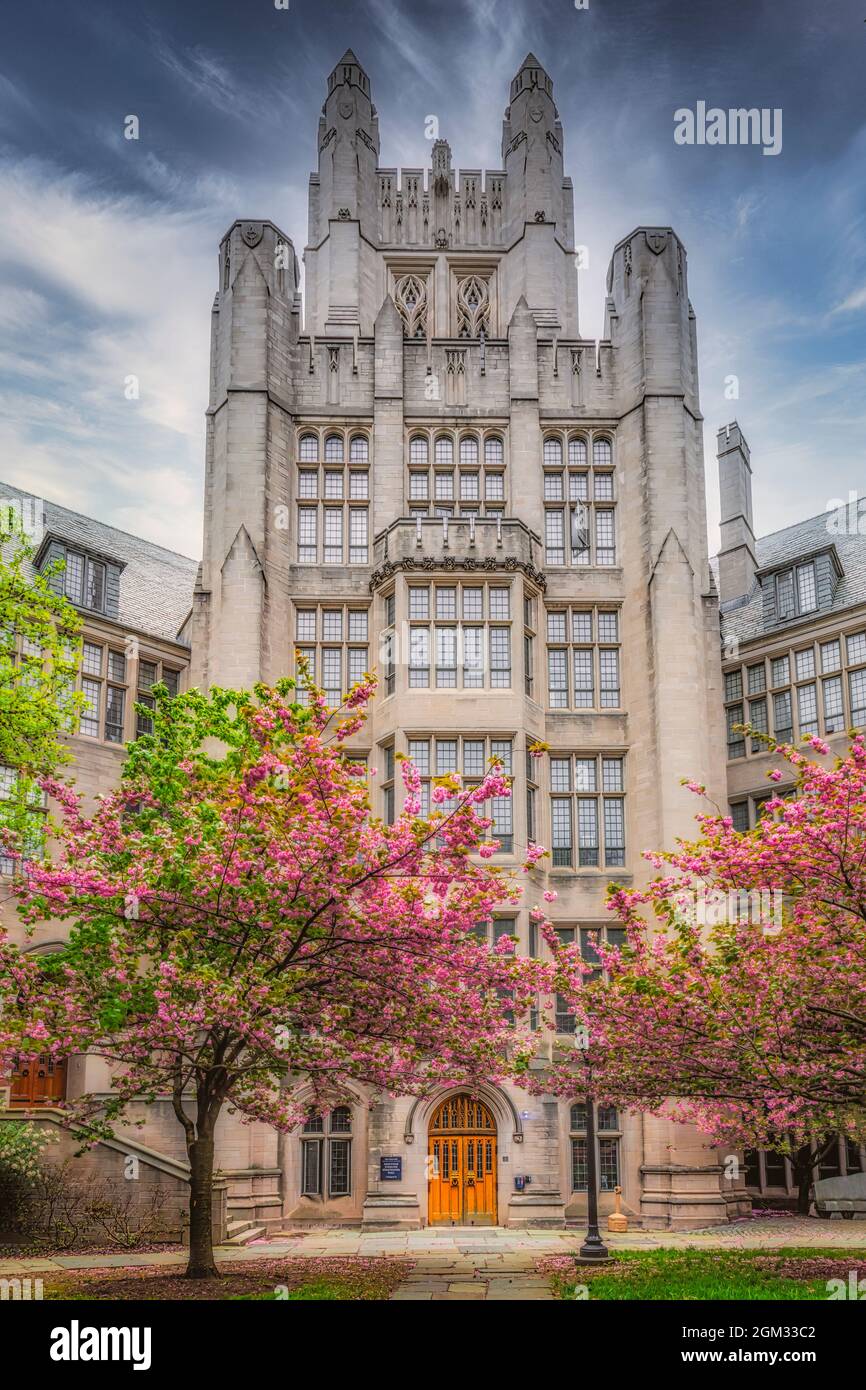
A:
(530, 61)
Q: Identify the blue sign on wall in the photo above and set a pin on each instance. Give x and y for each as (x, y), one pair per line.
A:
(390, 1169)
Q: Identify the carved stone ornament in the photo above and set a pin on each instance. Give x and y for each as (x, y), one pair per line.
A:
(441, 239)
(473, 307)
(657, 241)
(410, 296)
(345, 214)
(432, 563)
(536, 113)
(345, 108)
(541, 216)
(251, 233)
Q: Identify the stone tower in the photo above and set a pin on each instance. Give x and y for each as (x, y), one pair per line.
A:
(241, 607)
(437, 477)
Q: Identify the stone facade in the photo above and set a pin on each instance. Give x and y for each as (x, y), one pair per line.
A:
(793, 607)
(425, 470)
(435, 475)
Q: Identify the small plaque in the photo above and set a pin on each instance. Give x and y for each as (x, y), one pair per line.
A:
(390, 1169)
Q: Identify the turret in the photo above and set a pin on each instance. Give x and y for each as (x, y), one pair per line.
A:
(532, 149)
(737, 560)
(539, 210)
(348, 147)
(343, 209)
(241, 599)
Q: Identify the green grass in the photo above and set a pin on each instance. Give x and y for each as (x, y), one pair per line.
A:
(696, 1275)
(318, 1290)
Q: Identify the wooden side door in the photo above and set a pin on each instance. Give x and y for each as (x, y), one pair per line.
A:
(38, 1081)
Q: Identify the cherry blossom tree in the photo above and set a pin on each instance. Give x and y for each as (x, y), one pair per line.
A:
(740, 995)
(241, 923)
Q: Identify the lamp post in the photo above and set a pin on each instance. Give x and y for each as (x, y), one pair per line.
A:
(593, 1247)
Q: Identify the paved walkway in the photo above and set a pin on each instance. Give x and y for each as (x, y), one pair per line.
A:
(466, 1263)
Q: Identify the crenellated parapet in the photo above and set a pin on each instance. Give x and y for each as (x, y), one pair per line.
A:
(438, 207)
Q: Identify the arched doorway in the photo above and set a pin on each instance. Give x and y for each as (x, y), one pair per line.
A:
(462, 1168)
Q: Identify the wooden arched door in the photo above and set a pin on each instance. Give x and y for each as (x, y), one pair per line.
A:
(461, 1163)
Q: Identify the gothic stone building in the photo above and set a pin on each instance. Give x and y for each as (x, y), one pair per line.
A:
(430, 472)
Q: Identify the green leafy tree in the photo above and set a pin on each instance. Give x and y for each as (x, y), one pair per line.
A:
(40, 648)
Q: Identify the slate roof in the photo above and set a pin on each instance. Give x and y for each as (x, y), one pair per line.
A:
(156, 585)
(745, 620)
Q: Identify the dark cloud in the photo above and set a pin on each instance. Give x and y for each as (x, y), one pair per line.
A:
(228, 97)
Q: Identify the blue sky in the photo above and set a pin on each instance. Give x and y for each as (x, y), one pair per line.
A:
(108, 246)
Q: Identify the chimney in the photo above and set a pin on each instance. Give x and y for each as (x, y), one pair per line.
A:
(737, 560)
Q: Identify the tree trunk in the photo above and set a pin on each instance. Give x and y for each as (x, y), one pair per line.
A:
(803, 1163)
(804, 1186)
(201, 1261)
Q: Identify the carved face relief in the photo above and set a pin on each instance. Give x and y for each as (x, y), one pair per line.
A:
(345, 109)
(536, 113)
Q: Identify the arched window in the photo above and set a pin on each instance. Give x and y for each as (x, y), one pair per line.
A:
(553, 453)
(334, 448)
(469, 452)
(418, 452)
(309, 449)
(341, 1120)
(601, 453)
(359, 449)
(444, 451)
(494, 455)
(577, 453)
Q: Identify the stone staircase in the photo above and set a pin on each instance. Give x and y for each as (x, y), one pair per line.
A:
(243, 1232)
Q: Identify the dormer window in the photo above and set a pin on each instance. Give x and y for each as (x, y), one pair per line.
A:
(807, 594)
(88, 581)
(796, 591)
(83, 579)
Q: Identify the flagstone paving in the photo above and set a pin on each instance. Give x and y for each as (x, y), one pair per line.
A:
(491, 1263)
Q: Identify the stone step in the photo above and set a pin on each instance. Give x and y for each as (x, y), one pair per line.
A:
(243, 1232)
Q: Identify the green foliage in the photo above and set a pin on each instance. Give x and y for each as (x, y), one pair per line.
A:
(21, 1146)
(40, 650)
